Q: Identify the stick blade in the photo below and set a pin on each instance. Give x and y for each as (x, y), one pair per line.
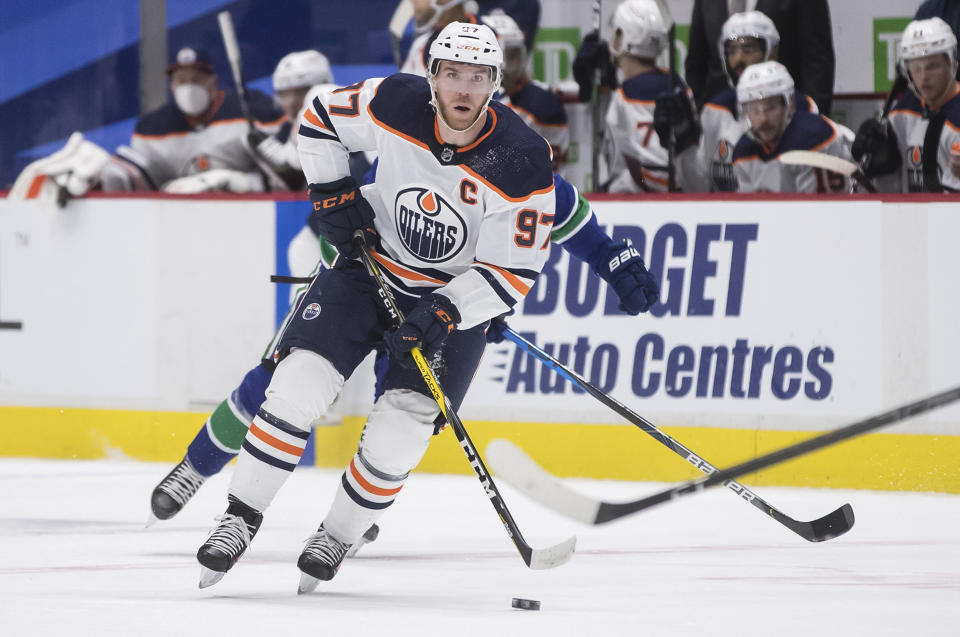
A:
(526, 476)
(832, 525)
(819, 160)
(553, 556)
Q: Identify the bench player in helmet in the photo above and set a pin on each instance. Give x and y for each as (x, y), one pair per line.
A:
(745, 39)
(430, 17)
(460, 216)
(767, 100)
(639, 154)
(918, 148)
(535, 103)
(293, 78)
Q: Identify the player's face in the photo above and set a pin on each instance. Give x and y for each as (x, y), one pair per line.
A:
(741, 53)
(191, 75)
(462, 90)
(768, 118)
(291, 100)
(932, 75)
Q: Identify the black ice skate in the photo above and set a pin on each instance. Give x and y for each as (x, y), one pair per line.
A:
(174, 491)
(227, 542)
(320, 559)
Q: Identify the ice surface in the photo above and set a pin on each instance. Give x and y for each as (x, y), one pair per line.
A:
(75, 559)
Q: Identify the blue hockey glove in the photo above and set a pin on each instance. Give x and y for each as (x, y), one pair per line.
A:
(429, 324)
(879, 141)
(622, 268)
(494, 333)
(593, 55)
(339, 210)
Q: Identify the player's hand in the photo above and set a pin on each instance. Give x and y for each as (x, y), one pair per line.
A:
(674, 110)
(339, 210)
(877, 139)
(495, 333)
(429, 324)
(621, 266)
(593, 54)
(954, 159)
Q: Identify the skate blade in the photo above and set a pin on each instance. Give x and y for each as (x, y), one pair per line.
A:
(209, 577)
(308, 584)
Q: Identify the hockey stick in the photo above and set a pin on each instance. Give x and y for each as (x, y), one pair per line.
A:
(398, 24)
(236, 66)
(601, 511)
(534, 558)
(595, 131)
(672, 51)
(828, 527)
(834, 164)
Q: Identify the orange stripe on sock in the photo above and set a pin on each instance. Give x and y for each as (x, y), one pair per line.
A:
(369, 487)
(275, 442)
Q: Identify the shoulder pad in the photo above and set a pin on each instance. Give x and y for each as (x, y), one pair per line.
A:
(541, 103)
(725, 99)
(807, 132)
(646, 86)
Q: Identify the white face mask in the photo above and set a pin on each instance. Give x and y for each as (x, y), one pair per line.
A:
(192, 99)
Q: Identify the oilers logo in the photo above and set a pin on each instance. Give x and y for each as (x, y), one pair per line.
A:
(311, 312)
(914, 163)
(721, 169)
(429, 228)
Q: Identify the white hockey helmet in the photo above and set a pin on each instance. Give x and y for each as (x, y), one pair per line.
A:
(508, 33)
(749, 24)
(642, 27)
(470, 44)
(765, 80)
(927, 37)
(302, 69)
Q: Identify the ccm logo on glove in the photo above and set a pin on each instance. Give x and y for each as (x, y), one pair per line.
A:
(333, 202)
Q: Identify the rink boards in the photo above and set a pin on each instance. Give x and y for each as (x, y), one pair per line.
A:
(126, 320)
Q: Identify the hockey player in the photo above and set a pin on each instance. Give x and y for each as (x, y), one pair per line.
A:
(918, 148)
(296, 74)
(766, 96)
(450, 213)
(640, 156)
(536, 104)
(197, 143)
(746, 38)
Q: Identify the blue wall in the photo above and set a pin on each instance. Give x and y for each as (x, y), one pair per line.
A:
(69, 65)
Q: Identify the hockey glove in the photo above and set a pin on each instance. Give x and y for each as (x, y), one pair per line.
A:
(429, 324)
(592, 55)
(877, 139)
(494, 333)
(621, 266)
(339, 210)
(675, 111)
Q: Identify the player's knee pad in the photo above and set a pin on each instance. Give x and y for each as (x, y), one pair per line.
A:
(398, 431)
(303, 386)
(249, 395)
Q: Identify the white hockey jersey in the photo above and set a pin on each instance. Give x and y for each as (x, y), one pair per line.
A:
(722, 129)
(472, 223)
(757, 168)
(637, 153)
(173, 145)
(911, 122)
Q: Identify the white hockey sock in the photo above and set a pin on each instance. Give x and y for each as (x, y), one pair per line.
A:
(269, 454)
(361, 499)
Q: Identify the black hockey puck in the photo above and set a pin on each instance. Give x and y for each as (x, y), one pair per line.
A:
(525, 604)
